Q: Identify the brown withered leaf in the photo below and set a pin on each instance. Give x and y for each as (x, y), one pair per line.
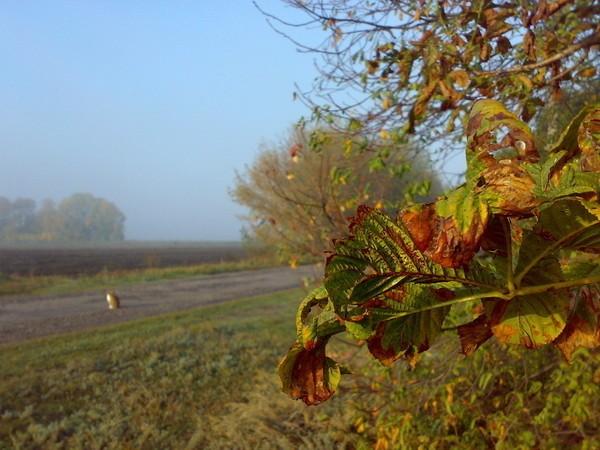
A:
(529, 45)
(509, 189)
(487, 118)
(448, 231)
(494, 237)
(423, 99)
(503, 44)
(308, 374)
(386, 355)
(583, 326)
(485, 51)
(420, 221)
(449, 94)
(473, 334)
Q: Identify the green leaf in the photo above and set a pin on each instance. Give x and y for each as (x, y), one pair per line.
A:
(360, 330)
(379, 257)
(355, 125)
(406, 336)
(536, 319)
(531, 320)
(378, 245)
(570, 223)
(307, 333)
(567, 141)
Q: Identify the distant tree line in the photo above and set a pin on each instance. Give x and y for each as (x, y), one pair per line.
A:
(80, 217)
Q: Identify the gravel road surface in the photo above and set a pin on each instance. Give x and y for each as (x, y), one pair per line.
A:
(27, 317)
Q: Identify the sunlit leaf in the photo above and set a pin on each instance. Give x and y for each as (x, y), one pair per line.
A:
(570, 224)
(449, 231)
(536, 319)
(406, 336)
(583, 325)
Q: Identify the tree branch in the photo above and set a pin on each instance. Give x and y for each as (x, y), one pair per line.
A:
(590, 41)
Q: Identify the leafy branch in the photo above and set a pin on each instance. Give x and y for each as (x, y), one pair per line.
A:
(502, 295)
(519, 236)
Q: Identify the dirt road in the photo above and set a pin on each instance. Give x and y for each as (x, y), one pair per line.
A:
(26, 317)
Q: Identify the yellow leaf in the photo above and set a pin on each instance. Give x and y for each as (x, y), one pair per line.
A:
(524, 81)
(460, 78)
(348, 147)
(385, 135)
(588, 72)
(386, 103)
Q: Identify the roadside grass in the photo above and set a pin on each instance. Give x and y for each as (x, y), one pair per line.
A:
(205, 379)
(161, 382)
(56, 284)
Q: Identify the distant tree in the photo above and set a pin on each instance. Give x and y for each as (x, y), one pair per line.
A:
(48, 221)
(80, 217)
(17, 218)
(556, 115)
(84, 217)
(299, 197)
(5, 207)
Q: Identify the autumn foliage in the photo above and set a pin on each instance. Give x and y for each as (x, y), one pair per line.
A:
(417, 66)
(519, 241)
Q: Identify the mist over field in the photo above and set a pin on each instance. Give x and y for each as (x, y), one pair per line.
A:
(150, 106)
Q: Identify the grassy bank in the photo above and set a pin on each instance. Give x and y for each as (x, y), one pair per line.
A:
(205, 379)
(55, 284)
(168, 382)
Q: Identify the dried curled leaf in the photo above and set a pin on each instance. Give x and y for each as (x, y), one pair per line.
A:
(307, 333)
(583, 326)
(308, 374)
(448, 231)
(473, 334)
(487, 119)
(497, 145)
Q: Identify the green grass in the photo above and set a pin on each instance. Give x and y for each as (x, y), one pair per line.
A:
(155, 383)
(55, 284)
(205, 379)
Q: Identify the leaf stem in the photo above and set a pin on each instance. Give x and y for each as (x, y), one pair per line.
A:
(509, 256)
(501, 295)
(456, 301)
(555, 286)
(549, 250)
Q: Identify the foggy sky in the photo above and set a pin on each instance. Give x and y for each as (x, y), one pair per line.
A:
(151, 105)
